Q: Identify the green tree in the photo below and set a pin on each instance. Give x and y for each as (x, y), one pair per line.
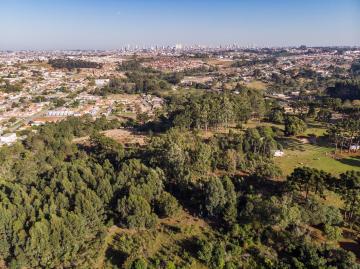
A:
(167, 205)
(215, 197)
(294, 125)
(349, 189)
(308, 179)
(135, 212)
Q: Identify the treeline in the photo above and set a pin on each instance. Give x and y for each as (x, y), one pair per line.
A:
(213, 110)
(345, 134)
(133, 65)
(73, 64)
(355, 68)
(140, 79)
(248, 152)
(248, 63)
(135, 82)
(345, 90)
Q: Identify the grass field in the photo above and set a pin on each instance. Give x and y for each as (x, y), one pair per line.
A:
(254, 124)
(316, 157)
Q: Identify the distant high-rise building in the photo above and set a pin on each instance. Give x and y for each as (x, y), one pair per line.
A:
(178, 46)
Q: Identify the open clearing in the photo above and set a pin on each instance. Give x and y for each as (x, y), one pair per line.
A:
(315, 155)
(123, 136)
(297, 155)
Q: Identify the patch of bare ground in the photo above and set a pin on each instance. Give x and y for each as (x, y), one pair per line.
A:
(2, 264)
(123, 136)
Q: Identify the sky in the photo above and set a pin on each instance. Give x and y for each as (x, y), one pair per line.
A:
(110, 24)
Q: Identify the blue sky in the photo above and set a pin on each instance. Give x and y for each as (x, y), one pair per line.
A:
(109, 24)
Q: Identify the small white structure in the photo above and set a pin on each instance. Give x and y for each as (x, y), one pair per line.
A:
(278, 153)
(354, 147)
(8, 139)
(60, 113)
(101, 82)
(37, 123)
(94, 111)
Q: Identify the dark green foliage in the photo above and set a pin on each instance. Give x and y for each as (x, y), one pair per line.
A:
(276, 116)
(294, 125)
(55, 223)
(305, 255)
(131, 65)
(211, 254)
(349, 188)
(244, 63)
(308, 180)
(140, 79)
(214, 197)
(135, 212)
(56, 198)
(345, 133)
(174, 78)
(136, 82)
(213, 110)
(106, 149)
(167, 205)
(324, 115)
(345, 90)
(59, 200)
(73, 64)
(355, 68)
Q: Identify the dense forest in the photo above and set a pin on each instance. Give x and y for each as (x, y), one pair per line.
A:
(60, 199)
(346, 90)
(73, 64)
(203, 191)
(140, 79)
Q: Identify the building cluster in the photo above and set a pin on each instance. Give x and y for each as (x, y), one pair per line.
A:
(173, 64)
(32, 92)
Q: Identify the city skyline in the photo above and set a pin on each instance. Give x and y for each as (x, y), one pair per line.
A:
(111, 24)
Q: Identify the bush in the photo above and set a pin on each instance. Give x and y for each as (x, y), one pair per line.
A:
(170, 265)
(294, 125)
(135, 212)
(332, 232)
(139, 264)
(167, 205)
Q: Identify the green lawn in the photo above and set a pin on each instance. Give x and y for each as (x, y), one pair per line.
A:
(298, 154)
(314, 156)
(254, 124)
